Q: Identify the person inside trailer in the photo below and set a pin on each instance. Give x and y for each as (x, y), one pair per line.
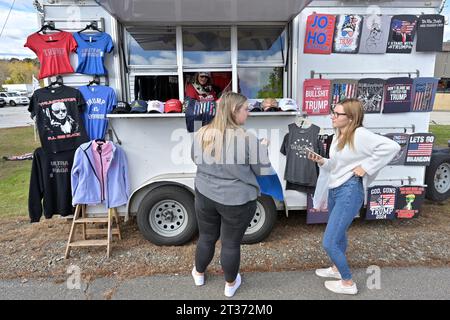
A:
(201, 89)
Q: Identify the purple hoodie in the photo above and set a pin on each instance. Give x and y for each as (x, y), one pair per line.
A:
(86, 186)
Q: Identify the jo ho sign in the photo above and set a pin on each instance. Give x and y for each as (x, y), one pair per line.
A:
(319, 33)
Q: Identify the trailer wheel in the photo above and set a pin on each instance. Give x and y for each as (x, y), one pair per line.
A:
(166, 216)
(438, 178)
(263, 221)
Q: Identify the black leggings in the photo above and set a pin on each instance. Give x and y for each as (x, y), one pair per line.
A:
(227, 222)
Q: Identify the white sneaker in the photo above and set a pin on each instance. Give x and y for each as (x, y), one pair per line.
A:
(338, 287)
(229, 291)
(199, 280)
(328, 273)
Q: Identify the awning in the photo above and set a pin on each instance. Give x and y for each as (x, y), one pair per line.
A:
(206, 11)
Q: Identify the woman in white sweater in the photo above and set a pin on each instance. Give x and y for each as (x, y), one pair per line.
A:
(356, 156)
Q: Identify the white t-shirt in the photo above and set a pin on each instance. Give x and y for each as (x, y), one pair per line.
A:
(371, 151)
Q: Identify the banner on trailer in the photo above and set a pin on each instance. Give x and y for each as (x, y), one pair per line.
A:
(347, 33)
(401, 34)
(409, 201)
(381, 203)
(420, 147)
(319, 33)
(316, 96)
(424, 92)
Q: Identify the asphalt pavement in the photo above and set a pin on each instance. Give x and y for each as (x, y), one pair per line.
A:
(385, 284)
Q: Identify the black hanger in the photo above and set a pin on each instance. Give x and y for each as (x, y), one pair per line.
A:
(48, 26)
(58, 81)
(91, 26)
(95, 80)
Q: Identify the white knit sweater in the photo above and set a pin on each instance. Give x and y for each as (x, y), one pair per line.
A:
(372, 152)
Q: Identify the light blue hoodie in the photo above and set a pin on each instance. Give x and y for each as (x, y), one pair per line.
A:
(86, 188)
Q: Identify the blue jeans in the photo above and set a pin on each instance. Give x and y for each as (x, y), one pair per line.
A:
(344, 203)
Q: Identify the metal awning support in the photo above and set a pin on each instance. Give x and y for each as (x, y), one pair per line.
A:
(205, 11)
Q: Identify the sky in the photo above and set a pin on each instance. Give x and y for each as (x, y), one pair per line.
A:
(23, 21)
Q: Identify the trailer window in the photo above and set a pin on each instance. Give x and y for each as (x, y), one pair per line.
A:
(160, 88)
(261, 44)
(257, 83)
(152, 46)
(444, 85)
(206, 46)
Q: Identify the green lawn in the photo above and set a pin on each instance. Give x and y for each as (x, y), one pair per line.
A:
(15, 175)
(442, 134)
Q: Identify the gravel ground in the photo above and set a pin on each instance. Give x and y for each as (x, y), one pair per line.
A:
(29, 251)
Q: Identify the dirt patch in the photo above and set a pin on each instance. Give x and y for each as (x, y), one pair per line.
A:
(37, 250)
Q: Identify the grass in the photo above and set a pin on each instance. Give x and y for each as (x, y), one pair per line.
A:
(15, 175)
(442, 134)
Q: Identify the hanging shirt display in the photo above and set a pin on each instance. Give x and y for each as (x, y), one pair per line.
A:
(299, 169)
(87, 184)
(398, 95)
(424, 92)
(49, 191)
(402, 139)
(381, 203)
(316, 96)
(347, 33)
(343, 89)
(53, 52)
(58, 118)
(91, 52)
(409, 202)
(430, 33)
(401, 34)
(198, 113)
(319, 33)
(370, 93)
(325, 141)
(375, 34)
(100, 101)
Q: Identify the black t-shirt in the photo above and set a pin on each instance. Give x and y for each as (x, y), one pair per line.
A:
(430, 32)
(58, 118)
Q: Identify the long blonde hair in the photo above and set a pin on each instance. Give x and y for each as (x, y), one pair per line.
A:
(354, 110)
(211, 136)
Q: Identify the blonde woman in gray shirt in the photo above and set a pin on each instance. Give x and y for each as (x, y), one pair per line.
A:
(228, 159)
(356, 156)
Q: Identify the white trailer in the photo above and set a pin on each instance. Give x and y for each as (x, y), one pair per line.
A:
(158, 145)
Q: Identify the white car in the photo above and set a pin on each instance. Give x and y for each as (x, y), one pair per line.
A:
(13, 98)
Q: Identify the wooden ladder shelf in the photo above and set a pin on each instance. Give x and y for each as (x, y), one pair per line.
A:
(79, 218)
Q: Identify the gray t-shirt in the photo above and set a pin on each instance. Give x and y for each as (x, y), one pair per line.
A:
(299, 169)
(232, 180)
(375, 34)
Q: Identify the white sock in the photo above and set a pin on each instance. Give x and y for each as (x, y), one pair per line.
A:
(230, 290)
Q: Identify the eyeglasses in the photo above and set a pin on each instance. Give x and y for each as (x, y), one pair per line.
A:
(204, 77)
(335, 114)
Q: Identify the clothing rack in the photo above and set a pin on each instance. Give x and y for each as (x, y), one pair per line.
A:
(411, 127)
(320, 74)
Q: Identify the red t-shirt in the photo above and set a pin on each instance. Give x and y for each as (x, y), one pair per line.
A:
(53, 52)
(192, 93)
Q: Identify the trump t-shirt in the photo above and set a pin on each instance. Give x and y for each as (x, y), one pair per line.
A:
(53, 52)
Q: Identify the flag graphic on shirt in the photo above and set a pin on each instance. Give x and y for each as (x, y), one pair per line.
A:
(403, 28)
(343, 91)
(381, 203)
(424, 94)
(420, 147)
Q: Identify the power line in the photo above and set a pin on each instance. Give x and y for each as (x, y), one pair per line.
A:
(7, 17)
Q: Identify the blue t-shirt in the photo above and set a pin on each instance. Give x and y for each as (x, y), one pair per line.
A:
(91, 50)
(100, 100)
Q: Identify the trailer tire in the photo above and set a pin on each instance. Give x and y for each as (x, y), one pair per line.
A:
(438, 178)
(263, 221)
(166, 216)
